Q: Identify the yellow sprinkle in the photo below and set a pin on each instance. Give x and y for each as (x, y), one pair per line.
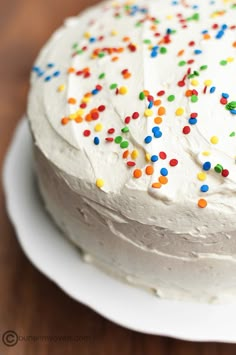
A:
(100, 183)
(230, 59)
(201, 176)
(98, 127)
(87, 35)
(214, 139)
(61, 88)
(195, 82)
(123, 90)
(207, 82)
(80, 112)
(169, 17)
(147, 157)
(134, 154)
(148, 112)
(72, 116)
(114, 32)
(179, 111)
(206, 153)
(86, 99)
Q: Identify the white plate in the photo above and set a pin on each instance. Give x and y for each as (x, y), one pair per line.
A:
(60, 261)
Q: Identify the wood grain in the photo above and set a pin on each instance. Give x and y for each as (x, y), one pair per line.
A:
(29, 303)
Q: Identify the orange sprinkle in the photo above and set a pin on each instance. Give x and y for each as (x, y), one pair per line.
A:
(156, 185)
(158, 120)
(202, 203)
(157, 102)
(88, 94)
(72, 101)
(161, 111)
(88, 117)
(163, 180)
(64, 120)
(79, 119)
(146, 92)
(149, 170)
(85, 70)
(181, 52)
(137, 173)
(120, 50)
(153, 27)
(70, 70)
(188, 93)
(125, 154)
(126, 39)
(114, 59)
(234, 44)
(206, 36)
(127, 75)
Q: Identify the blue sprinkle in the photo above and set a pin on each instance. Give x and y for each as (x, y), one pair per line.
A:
(224, 95)
(154, 54)
(96, 141)
(206, 166)
(56, 73)
(157, 134)
(95, 91)
(155, 48)
(192, 121)
(155, 129)
(154, 158)
(150, 104)
(168, 31)
(92, 39)
(220, 34)
(204, 188)
(148, 139)
(224, 27)
(164, 172)
(40, 73)
(50, 65)
(48, 78)
(212, 89)
(233, 112)
(36, 69)
(197, 51)
(204, 32)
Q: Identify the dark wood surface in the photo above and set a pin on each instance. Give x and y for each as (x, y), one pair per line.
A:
(29, 303)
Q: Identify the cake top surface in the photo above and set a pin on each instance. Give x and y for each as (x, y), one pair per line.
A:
(145, 93)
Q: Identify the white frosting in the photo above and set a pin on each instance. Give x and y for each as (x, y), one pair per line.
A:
(161, 237)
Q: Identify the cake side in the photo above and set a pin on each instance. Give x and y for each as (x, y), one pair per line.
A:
(133, 126)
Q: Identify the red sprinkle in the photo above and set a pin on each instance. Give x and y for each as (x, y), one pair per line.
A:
(109, 139)
(194, 115)
(225, 172)
(99, 87)
(101, 108)
(95, 115)
(131, 163)
(223, 101)
(135, 115)
(173, 162)
(186, 130)
(162, 155)
(181, 83)
(87, 133)
(190, 61)
(111, 130)
(161, 93)
(127, 119)
(83, 105)
(192, 43)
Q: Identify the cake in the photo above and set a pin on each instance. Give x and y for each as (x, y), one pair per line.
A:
(132, 110)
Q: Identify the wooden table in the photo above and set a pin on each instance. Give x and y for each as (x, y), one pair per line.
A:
(29, 303)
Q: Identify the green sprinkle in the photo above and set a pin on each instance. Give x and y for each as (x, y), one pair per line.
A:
(101, 76)
(163, 50)
(101, 54)
(218, 168)
(190, 76)
(75, 45)
(223, 62)
(141, 95)
(232, 134)
(80, 51)
(203, 67)
(124, 144)
(125, 129)
(195, 17)
(113, 86)
(147, 41)
(182, 63)
(171, 98)
(231, 105)
(194, 98)
(196, 73)
(118, 139)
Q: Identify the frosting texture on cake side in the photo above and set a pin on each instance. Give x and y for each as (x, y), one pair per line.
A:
(133, 112)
